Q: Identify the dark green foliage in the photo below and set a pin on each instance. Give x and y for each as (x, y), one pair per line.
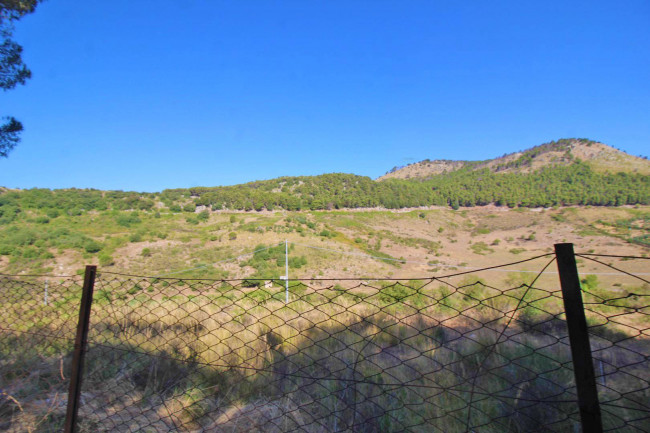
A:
(297, 262)
(396, 293)
(575, 184)
(105, 259)
(92, 246)
(562, 185)
(203, 215)
(270, 262)
(127, 219)
(9, 135)
(19, 240)
(12, 69)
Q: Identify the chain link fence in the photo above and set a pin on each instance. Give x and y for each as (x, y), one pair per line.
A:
(455, 353)
(38, 320)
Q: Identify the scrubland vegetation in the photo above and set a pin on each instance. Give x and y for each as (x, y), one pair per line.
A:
(198, 355)
(377, 335)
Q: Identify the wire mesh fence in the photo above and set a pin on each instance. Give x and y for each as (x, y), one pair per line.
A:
(38, 319)
(455, 353)
(618, 319)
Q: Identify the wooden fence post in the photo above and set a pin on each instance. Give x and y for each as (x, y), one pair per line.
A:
(583, 366)
(81, 340)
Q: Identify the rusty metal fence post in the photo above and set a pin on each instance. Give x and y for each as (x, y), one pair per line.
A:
(583, 366)
(81, 340)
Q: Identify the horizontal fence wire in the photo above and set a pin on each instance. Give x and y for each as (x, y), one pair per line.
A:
(618, 320)
(455, 353)
(38, 319)
(350, 355)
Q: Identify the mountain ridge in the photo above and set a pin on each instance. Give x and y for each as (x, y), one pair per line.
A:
(571, 172)
(599, 156)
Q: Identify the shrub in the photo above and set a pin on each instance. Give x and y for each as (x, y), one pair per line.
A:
(481, 248)
(232, 236)
(92, 246)
(127, 218)
(6, 250)
(204, 215)
(106, 260)
(146, 252)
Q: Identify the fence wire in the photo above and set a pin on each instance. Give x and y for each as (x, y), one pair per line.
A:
(454, 353)
(38, 320)
(618, 319)
(361, 356)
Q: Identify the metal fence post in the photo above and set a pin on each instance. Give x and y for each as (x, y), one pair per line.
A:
(80, 343)
(583, 366)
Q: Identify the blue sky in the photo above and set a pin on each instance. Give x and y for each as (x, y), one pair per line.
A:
(146, 95)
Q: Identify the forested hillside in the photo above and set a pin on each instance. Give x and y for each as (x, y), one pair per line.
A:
(598, 156)
(539, 177)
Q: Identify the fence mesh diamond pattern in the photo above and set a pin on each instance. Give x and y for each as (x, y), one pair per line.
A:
(38, 320)
(447, 354)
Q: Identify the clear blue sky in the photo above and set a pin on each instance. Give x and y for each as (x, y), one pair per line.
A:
(145, 95)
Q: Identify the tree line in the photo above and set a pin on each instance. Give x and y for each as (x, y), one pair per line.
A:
(576, 184)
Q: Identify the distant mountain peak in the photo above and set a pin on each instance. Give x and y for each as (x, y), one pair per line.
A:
(566, 151)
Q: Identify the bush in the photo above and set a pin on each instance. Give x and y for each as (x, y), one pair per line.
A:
(204, 215)
(232, 236)
(106, 260)
(146, 252)
(127, 218)
(590, 282)
(481, 248)
(92, 246)
(30, 253)
(6, 250)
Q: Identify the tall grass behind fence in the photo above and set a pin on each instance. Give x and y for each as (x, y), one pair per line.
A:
(618, 318)
(38, 320)
(348, 355)
(454, 353)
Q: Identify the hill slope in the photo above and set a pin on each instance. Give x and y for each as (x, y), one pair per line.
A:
(567, 172)
(598, 156)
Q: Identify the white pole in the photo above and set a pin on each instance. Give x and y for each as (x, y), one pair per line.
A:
(286, 270)
(45, 294)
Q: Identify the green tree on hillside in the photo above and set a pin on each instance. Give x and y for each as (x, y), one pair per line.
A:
(12, 69)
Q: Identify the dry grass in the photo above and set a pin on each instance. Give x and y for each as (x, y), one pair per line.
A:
(363, 356)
